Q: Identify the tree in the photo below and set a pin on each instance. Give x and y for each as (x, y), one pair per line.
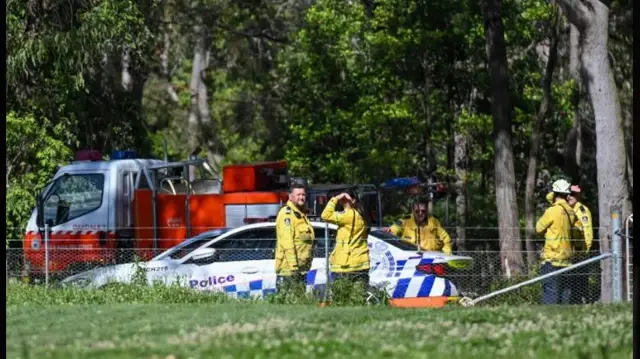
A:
(532, 171)
(591, 18)
(505, 181)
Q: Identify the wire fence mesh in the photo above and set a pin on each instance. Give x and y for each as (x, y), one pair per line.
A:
(242, 265)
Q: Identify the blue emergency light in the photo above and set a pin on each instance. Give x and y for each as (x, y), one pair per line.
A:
(401, 182)
(123, 155)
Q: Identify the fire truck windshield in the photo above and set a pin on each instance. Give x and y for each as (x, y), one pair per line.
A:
(72, 196)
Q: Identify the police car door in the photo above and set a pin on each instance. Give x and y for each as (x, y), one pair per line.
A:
(242, 266)
(317, 276)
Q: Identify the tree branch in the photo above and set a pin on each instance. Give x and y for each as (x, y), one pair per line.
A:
(577, 11)
(522, 54)
(254, 35)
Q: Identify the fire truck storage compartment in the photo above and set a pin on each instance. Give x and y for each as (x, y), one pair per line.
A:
(207, 212)
(265, 176)
(238, 206)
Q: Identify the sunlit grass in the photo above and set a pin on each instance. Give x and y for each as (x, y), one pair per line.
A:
(129, 322)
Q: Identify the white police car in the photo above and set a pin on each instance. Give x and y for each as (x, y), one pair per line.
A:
(240, 262)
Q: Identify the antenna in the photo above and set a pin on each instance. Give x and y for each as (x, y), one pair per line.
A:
(164, 148)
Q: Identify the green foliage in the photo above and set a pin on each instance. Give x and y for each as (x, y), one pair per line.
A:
(343, 94)
(527, 295)
(349, 293)
(292, 293)
(139, 276)
(19, 294)
(34, 153)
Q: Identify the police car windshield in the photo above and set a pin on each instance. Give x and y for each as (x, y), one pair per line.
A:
(189, 245)
(393, 240)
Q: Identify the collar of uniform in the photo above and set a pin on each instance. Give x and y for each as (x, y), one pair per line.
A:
(426, 223)
(561, 201)
(294, 207)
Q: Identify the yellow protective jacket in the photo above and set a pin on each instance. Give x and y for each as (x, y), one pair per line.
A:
(583, 223)
(549, 198)
(352, 251)
(294, 242)
(557, 225)
(432, 235)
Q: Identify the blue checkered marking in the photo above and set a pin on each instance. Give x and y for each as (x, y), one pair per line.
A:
(311, 276)
(255, 285)
(401, 288)
(447, 288)
(425, 287)
(400, 266)
(392, 263)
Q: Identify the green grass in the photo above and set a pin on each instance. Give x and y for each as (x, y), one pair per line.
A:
(167, 323)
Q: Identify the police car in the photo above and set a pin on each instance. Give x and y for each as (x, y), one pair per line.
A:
(240, 262)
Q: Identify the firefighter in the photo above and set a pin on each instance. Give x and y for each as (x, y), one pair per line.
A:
(580, 289)
(294, 239)
(557, 224)
(423, 228)
(350, 257)
(583, 215)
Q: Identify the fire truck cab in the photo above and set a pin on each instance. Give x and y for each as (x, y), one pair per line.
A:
(96, 212)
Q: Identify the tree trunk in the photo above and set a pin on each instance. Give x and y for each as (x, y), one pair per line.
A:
(610, 154)
(628, 129)
(574, 144)
(574, 70)
(505, 181)
(199, 108)
(591, 17)
(166, 48)
(532, 170)
(126, 80)
(461, 165)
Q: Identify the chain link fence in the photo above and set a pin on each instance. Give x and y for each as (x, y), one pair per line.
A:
(242, 265)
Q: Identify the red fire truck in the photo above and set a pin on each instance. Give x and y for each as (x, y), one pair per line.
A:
(93, 209)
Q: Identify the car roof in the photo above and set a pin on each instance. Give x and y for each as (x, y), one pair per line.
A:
(376, 233)
(273, 224)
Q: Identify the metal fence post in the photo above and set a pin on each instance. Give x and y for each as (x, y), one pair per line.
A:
(616, 249)
(46, 255)
(326, 262)
(628, 265)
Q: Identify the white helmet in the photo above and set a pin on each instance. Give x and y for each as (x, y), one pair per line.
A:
(561, 186)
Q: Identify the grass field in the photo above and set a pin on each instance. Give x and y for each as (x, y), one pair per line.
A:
(158, 323)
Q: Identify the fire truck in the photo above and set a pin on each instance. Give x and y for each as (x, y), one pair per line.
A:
(93, 209)
(96, 212)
